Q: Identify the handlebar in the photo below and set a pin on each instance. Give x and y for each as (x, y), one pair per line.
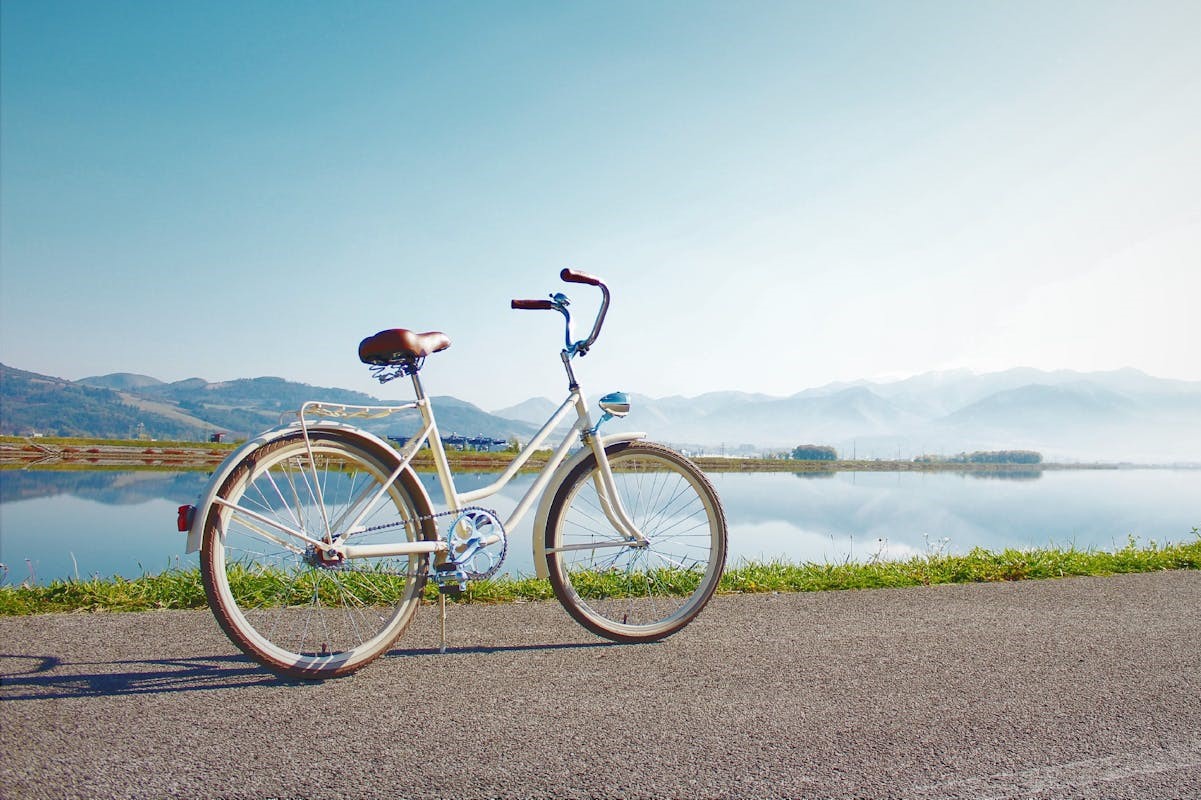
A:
(559, 302)
(571, 276)
(533, 305)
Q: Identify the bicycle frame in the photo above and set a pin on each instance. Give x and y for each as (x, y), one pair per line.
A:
(334, 542)
(557, 465)
(583, 429)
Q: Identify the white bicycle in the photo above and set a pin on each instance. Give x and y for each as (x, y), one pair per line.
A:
(317, 538)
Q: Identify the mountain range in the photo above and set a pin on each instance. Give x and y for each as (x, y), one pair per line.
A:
(1122, 415)
(127, 405)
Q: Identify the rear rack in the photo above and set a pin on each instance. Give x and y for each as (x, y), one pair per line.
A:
(317, 408)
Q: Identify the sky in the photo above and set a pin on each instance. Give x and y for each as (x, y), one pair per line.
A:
(779, 195)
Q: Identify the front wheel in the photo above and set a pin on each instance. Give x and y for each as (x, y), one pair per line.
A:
(636, 591)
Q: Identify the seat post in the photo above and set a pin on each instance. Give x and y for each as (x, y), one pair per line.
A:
(417, 387)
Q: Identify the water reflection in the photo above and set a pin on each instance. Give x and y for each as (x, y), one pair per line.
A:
(896, 515)
(1006, 475)
(111, 487)
(82, 522)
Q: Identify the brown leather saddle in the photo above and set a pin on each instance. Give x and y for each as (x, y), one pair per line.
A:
(401, 346)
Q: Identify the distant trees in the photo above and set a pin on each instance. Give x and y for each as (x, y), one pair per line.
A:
(987, 457)
(1005, 457)
(814, 452)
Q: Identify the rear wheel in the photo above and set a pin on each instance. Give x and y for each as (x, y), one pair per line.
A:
(636, 592)
(275, 596)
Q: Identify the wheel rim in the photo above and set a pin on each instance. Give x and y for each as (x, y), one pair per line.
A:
(640, 592)
(285, 606)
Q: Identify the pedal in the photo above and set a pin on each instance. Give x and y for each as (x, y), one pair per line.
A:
(450, 578)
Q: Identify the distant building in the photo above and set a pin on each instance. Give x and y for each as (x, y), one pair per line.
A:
(454, 441)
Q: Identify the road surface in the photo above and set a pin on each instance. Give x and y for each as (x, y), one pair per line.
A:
(1082, 687)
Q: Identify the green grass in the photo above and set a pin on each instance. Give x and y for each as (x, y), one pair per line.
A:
(978, 566)
(182, 589)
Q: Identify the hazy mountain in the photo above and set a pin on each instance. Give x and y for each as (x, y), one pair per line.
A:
(710, 402)
(193, 409)
(945, 392)
(122, 381)
(267, 392)
(458, 416)
(1076, 404)
(786, 422)
(1118, 415)
(33, 403)
(534, 411)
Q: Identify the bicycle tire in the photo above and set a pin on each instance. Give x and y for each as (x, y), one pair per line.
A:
(279, 603)
(636, 593)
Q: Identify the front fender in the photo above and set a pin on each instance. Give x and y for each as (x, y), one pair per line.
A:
(552, 488)
(196, 530)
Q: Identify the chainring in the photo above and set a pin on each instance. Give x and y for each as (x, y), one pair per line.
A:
(477, 543)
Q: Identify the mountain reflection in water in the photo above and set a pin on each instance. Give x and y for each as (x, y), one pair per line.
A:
(110, 487)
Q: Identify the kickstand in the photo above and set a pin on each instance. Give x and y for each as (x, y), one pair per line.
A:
(442, 613)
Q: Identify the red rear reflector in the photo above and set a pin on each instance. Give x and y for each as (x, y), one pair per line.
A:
(184, 521)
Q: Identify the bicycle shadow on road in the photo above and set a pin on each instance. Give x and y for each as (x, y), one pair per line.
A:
(31, 677)
(28, 677)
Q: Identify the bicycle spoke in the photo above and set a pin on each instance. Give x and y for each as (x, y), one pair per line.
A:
(651, 588)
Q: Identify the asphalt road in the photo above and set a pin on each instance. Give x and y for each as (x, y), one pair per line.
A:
(1054, 689)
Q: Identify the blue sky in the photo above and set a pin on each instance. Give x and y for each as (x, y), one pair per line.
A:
(779, 194)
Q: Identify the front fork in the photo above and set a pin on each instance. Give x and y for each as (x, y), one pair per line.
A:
(610, 499)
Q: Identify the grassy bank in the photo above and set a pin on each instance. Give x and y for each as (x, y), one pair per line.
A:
(183, 589)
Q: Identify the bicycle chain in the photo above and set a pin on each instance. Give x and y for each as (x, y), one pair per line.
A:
(425, 518)
(455, 512)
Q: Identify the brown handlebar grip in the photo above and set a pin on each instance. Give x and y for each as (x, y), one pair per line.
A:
(533, 305)
(572, 276)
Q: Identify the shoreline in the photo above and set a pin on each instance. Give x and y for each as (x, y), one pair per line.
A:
(51, 453)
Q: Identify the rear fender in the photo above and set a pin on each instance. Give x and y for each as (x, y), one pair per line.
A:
(196, 530)
(542, 518)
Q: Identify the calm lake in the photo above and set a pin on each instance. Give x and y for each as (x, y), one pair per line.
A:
(93, 522)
